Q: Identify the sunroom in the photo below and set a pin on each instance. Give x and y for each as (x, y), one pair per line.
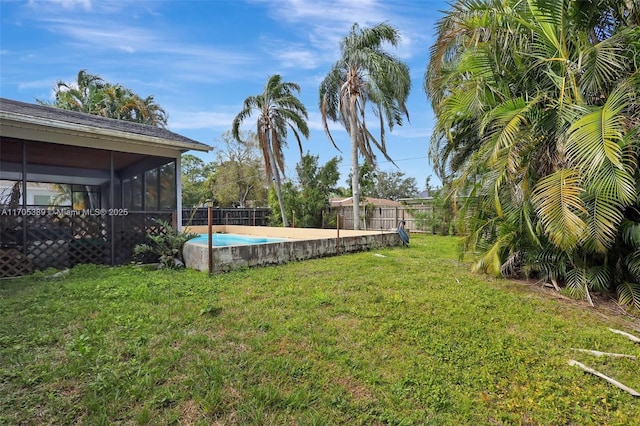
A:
(78, 188)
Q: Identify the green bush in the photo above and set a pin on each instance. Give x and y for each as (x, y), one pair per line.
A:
(166, 248)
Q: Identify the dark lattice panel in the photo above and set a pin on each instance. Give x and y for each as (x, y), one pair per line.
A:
(10, 231)
(62, 241)
(132, 229)
(89, 242)
(47, 242)
(13, 263)
(67, 239)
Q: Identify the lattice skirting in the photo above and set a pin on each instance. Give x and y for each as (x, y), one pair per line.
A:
(13, 263)
(63, 241)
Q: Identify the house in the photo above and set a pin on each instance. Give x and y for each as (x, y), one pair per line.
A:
(119, 178)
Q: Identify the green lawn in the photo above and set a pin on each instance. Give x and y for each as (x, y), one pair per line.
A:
(393, 336)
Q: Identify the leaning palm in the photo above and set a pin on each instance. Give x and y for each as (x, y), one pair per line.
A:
(365, 74)
(278, 111)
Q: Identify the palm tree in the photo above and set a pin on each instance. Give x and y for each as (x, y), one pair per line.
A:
(536, 104)
(83, 95)
(365, 73)
(278, 110)
(92, 95)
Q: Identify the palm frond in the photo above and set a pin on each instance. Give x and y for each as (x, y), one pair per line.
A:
(577, 283)
(365, 75)
(559, 206)
(603, 64)
(629, 294)
(632, 264)
(491, 261)
(630, 233)
(597, 136)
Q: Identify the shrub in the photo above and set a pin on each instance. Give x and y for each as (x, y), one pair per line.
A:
(166, 248)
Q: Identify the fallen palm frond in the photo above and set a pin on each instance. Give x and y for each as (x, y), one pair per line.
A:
(625, 334)
(614, 382)
(609, 354)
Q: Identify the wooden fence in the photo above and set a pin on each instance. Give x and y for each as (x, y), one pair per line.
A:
(223, 216)
(386, 218)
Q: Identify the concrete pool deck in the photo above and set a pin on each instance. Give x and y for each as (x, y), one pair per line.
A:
(305, 243)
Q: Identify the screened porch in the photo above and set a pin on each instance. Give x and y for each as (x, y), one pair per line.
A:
(76, 188)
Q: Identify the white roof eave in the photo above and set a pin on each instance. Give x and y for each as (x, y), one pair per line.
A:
(92, 132)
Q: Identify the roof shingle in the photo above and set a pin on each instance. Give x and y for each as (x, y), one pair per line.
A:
(83, 119)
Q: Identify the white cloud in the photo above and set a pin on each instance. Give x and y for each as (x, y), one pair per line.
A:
(294, 57)
(102, 35)
(156, 51)
(322, 24)
(343, 11)
(66, 4)
(36, 84)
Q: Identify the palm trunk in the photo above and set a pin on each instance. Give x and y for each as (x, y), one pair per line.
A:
(355, 174)
(276, 177)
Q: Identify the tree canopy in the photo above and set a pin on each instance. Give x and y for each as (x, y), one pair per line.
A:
(393, 186)
(537, 116)
(239, 178)
(308, 200)
(196, 186)
(92, 95)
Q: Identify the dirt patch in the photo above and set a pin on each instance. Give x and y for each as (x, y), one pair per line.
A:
(191, 414)
(356, 390)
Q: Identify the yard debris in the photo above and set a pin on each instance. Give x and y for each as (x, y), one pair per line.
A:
(627, 335)
(59, 274)
(379, 255)
(614, 382)
(610, 354)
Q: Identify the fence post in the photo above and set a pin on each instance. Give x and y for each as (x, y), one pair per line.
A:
(338, 233)
(393, 217)
(210, 234)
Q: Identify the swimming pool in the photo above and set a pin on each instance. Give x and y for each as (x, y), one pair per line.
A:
(279, 245)
(223, 240)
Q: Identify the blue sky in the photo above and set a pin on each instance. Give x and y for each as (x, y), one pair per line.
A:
(201, 59)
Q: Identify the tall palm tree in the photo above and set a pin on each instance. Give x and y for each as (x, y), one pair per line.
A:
(536, 104)
(365, 73)
(278, 110)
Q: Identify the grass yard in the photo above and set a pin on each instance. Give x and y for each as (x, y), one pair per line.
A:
(401, 336)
